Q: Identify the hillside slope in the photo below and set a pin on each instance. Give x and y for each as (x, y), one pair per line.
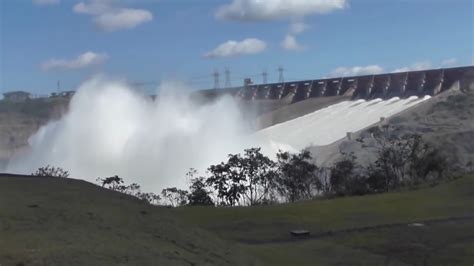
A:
(51, 221)
(430, 226)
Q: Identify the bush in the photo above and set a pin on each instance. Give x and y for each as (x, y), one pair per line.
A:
(348, 178)
(405, 160)
(51, 171)
(115, 183)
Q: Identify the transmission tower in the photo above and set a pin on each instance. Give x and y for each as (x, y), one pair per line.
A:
(280, 71)
(264, 77)
(216, 79)
(227, 78)
(59, 87)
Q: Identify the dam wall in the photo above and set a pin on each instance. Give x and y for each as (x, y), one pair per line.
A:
(383, 86)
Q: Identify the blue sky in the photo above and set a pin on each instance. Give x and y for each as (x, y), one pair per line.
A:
(155, 40)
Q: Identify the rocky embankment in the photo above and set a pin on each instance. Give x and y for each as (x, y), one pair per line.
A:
(20, 120)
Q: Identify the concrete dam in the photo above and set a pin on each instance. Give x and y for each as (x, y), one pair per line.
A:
(368, 87)
(296, 115)
(355, 103)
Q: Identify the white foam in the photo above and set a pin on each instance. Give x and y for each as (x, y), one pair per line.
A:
(330, 124)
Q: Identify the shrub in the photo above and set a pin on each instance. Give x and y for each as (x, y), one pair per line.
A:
(51, 171)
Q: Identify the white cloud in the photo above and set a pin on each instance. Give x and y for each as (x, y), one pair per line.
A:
(94, 7)
(449, 62)
(46, 2)
(356, 71)
(298, 27)
(111, 18)
(235, 48)
(264, 10)
(414, 67)
(124, 18)
(82, 61)
(291, 44)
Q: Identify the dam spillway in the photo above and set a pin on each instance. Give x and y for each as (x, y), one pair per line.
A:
(328, 125)
(363, 100)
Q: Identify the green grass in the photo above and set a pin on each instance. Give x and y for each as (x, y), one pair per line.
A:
(264, 230)
(51, 221)
(47, 221)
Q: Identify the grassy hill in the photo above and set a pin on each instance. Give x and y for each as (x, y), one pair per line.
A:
(48, 221)
(366, 230)
(51, 221)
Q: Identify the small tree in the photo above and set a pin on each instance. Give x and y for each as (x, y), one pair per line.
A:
(257, 172)
(297, 179)
(227, 183)
(176, 197)
(198, 195)
(112, 183)
(243, 178)
(51, 171)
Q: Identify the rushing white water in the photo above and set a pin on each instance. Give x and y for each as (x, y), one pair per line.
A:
(111, 130)
(330, 124)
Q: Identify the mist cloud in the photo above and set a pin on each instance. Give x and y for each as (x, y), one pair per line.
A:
(110, 129)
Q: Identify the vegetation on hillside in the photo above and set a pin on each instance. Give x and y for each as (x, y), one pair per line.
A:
(252, 178)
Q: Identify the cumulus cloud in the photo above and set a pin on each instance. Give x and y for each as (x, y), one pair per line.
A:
(414, 67)
(356, 71)
(82, 61)
(124, 18)
(291, 44)
(236, 48)
(108, 17)
(46, 2)
(264, 10)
